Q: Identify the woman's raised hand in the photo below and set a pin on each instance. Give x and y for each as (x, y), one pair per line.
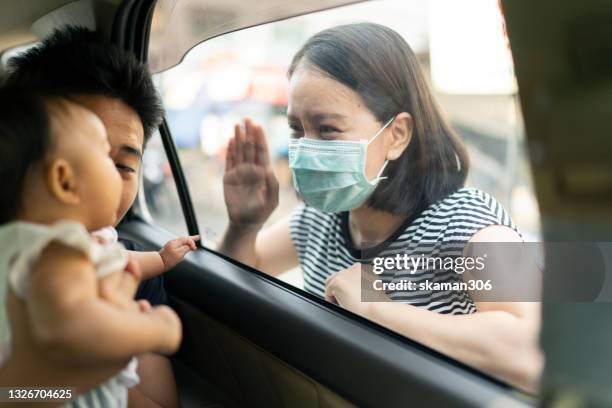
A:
(250, 187)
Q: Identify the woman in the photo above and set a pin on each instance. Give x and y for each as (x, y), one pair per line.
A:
(375, 161)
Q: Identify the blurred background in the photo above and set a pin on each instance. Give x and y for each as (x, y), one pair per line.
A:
(464, 53)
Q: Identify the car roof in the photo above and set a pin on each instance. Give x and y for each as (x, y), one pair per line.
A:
(24, 21)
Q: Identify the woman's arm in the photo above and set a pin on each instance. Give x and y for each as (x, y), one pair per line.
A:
(251, 195)
(497, 341)
(501, 338)
(270, 251)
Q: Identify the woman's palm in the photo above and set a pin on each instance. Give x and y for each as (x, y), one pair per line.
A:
(249, 185)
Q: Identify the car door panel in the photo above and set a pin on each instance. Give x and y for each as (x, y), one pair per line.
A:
(367, 365)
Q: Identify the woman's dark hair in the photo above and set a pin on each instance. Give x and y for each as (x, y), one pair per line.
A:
(75, 60)
(378, 64)
(25, 137)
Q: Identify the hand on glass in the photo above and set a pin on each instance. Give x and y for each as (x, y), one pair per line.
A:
(175, 250)
(250, 187)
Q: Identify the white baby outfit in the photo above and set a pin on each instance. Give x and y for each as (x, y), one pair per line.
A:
(21, 244)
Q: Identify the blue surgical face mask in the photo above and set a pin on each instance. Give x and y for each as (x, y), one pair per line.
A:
(330, 175)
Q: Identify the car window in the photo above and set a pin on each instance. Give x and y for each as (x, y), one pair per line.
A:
(178, 25)
(460, 47)
(161, 201)
(225, 79)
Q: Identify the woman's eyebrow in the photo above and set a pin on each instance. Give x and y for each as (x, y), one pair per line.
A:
(319, 117)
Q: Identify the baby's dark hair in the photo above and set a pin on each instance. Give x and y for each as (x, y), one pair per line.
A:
(25, 137)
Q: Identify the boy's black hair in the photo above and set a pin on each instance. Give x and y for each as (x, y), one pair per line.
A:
(25, 137)
(78, 61)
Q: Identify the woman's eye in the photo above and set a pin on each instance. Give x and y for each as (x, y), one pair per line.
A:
(124, 169)
(327, 129)
(296, 131)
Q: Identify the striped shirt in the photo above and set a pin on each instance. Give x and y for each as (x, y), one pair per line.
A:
(324, 246)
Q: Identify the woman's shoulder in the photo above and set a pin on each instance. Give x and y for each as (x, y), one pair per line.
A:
(466, 211)
(469, 199)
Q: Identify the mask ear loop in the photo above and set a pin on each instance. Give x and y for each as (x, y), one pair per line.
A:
(380, 131)
(378, 178)
(381, 171)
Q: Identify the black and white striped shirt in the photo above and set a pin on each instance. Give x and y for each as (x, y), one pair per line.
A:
(324, 245)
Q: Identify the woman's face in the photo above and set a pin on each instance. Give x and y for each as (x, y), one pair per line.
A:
(324, 109)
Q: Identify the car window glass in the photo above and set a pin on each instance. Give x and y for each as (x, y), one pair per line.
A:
(462, 50)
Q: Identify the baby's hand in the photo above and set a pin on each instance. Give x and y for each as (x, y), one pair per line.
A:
(174, 251)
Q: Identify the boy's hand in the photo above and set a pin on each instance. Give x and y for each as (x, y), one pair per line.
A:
(120, 287)
(175, 250)
(172, 328)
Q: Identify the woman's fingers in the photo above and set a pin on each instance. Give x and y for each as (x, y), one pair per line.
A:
(261, 146)
(230, 160)
(271, 186)
(329, 296)
(238, 142)
(329, 291)
(249, 145)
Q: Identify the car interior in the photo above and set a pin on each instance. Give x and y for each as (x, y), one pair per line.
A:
(253, 340)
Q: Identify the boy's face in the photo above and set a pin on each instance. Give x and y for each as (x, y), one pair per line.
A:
(126, 137)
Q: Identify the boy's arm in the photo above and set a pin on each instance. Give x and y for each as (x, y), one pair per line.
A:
(70, 320)
(155, 263)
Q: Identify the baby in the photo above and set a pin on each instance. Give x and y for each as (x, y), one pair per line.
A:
(59, 186)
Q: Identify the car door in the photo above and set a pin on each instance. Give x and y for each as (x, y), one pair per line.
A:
(253, 340)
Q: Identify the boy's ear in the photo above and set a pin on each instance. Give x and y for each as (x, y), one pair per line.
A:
(62, 182)
(401, 135)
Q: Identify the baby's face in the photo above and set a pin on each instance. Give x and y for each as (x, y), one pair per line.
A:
(126, 137)
(82, 141)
